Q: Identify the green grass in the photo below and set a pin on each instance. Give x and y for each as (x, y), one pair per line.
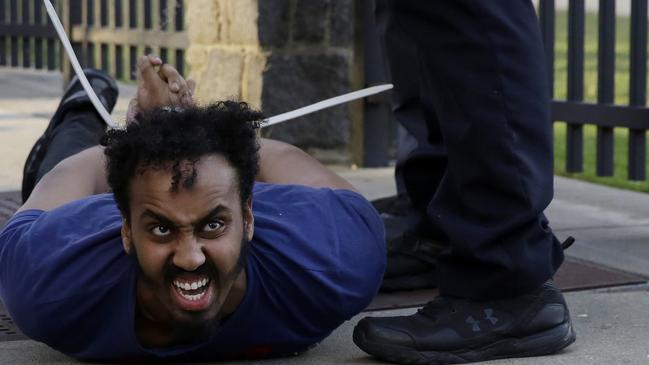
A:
(590, 94)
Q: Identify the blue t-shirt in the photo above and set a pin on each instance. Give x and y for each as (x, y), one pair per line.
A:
(316, 259)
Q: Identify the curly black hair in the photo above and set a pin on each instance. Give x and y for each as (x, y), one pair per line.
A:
(168, 138)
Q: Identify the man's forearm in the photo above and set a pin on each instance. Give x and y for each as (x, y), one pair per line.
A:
(78, 176)
(282, 163)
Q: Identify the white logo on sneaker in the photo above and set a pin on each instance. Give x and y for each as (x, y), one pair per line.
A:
(475, 324)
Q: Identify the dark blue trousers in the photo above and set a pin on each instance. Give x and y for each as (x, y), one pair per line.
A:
(471, 88)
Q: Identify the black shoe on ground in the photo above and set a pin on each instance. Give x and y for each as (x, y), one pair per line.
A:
(412, 262)
(74, 97)
(452, 331)
(398, 215)
(411, 253)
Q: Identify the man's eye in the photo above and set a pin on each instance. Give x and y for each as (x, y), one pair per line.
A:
(160, 231)
(213, 226)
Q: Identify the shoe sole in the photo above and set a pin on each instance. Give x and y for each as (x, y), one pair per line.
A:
(543, 343)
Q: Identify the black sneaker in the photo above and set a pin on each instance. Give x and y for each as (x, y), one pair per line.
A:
(451, 330)
(412, 262)
(398, 215)
(73, 98)
(411, 253)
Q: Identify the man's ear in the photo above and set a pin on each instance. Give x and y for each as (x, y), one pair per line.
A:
(248, 220)
(127, 242)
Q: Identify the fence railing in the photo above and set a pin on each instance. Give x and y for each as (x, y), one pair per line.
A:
(603, 113)
(27, 38)
(106, 34)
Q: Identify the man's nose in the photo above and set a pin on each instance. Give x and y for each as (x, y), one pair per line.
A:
(189, 254)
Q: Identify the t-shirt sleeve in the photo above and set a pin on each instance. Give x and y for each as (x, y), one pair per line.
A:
(361, 251)
(322, 253)
(55, 260)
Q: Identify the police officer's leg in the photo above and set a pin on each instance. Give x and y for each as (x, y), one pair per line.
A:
(484, 79)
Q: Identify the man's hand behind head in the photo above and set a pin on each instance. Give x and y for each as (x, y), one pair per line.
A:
(160, 84)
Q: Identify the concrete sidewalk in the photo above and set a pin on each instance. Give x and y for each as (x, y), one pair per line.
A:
(611, 227)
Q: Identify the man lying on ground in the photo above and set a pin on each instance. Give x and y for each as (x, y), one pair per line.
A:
(179, 261)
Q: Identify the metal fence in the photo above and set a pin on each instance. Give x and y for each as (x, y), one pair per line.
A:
(106, 34)
(604, 113)
(26, 37)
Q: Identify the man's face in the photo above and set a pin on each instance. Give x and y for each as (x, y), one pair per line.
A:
(188, 243)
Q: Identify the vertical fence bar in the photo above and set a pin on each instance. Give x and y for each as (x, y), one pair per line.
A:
(38, 41)
(119, 62)
(164, 53)
(133, 62)
(638, 87)
(14, 51)
(27, 51)
(179, 8)
(163, 14)
(547, 21)
(605, 84)
(119, 16)
(103, 13)
(105, 57)
(180, 61)
(3, 51)
(50, 51)
(575, 133)
(3, 39)
(51, 54)
(90, 13)
(13, 20)
(90, 55)
(148, 16)
(132, 14)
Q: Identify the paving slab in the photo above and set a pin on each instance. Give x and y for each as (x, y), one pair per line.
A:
(611, 225)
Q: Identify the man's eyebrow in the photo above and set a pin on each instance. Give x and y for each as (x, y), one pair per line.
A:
(216, 211)
(160, 218)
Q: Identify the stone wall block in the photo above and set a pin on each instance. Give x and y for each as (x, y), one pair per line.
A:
(310, 21)
(274, 22)
(293, 81)
(242, 22)
(342, 23)
(207, 14)
(252, 84)
(196, 56)
(221, 78)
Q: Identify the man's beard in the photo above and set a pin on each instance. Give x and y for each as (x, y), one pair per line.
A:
(187, 332)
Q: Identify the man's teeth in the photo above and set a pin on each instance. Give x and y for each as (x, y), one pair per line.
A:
(193, 297)
(190, 285)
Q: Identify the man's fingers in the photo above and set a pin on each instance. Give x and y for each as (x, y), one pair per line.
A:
(146, 67)
(132, 111)
(177, 83)
(192, 85)
(188, 97)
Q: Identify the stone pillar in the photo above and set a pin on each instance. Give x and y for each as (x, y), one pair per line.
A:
(224, 55)
(278, 55)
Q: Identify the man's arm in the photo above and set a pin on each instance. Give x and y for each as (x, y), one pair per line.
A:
(282, 163)
(75, 177)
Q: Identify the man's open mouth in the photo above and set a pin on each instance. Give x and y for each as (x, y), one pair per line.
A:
(193, 294)
(192, 290)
